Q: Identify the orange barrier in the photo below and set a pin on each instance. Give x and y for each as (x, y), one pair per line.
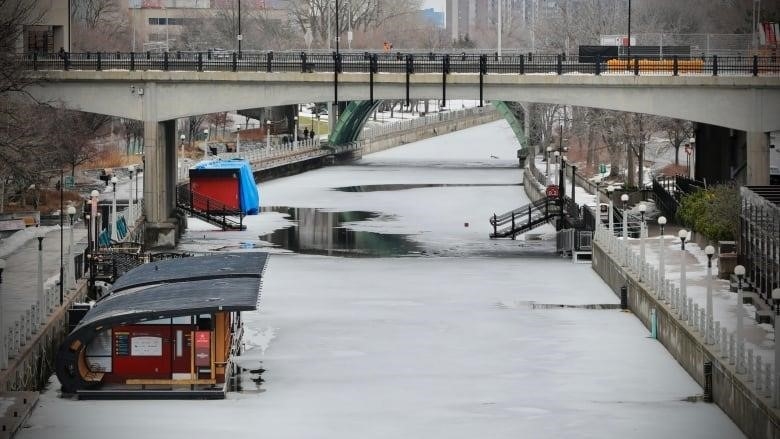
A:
(649, 65)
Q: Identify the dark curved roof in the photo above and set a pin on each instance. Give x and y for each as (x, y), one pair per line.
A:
(249, 264)
(170, 288)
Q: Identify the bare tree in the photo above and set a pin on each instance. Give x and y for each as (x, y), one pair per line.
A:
(677, 132)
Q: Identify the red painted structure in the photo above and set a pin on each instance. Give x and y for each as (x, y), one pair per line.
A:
(220, 185)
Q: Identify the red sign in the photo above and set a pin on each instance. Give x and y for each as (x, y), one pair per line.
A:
(203, 348)
(552, 191)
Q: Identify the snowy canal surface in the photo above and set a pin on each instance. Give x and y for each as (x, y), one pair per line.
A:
(384, 316)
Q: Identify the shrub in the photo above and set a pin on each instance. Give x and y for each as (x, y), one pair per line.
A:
(713, 212)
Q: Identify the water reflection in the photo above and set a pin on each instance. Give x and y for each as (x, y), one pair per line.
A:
(322, 232)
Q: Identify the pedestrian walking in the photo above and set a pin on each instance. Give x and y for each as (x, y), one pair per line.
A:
(306, 133)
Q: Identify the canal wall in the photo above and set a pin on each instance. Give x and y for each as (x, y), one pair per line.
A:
(751, 412)
(750, 409)
(430, 129)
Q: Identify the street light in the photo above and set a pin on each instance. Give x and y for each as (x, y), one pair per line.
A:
(683, 235)
(268, 134)
(94, 194)
(610, 190)
(709, 251)
(114, 234)
(238, 138)
(642, 209)
(239, 37)
(661, 224)
(624, 199)
(295, 133)
(557, 163)
(739, 271)
(130, 206)
(71, 269)
(41, 297)
(206, 145)
(3, 347)
(182, 138)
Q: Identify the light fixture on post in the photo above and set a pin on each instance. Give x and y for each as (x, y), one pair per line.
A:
(112, 227)
(295, 131)
(238, 138)
(708, 339)
(94, 194)
(661, 268)
(182, 138)
(206, 144)
(547, 164)
(557, 155)
(642, 209)
(268, 134)
(683, 235)
(41, 296)
(739, 271)
(130, 206)
(71, 268)
(610, 190)
(3, 346)
(624, 199)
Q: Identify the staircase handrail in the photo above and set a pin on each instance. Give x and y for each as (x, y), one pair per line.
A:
(217, 211)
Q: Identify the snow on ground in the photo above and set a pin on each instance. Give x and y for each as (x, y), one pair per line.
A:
(422, 347)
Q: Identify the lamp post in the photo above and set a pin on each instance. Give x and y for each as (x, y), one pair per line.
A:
(610, 190)
(114, 234)
(239, 37)
(130, 206)
(238, 138)
(739, 271)
(3, 347)
(661, 224)
(624, 199)
(683, 235)
(182, 138)
(317, 132)
(62, 265)
(41, 297)
(642, 209)
(709, 251)
(776, 298)
(94, 194)
(206, 145)
(295, 132)
(557, 163)
(71, 270)
(268, 134)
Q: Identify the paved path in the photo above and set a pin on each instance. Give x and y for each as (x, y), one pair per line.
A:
(20, 277)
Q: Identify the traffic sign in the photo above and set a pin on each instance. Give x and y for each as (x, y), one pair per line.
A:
(552, 191)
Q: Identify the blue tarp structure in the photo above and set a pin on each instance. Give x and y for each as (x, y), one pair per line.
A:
(248, 194)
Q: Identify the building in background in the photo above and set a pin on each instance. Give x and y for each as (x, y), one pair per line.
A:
(470, 17)
(433, 17)
(48, 30)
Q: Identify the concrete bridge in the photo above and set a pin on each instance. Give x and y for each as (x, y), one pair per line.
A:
(744, 95)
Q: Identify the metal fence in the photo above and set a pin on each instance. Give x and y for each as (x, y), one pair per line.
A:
(754, 370)
(444, 63)
(759, 238)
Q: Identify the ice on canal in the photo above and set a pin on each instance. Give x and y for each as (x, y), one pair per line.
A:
(446, 336)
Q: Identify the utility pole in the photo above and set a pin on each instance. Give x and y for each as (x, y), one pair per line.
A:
(239, 37)
(498, 26)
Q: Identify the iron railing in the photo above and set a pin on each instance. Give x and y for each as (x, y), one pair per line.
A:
(524, 218)
(366, 62)
(209, 209)
(759, 238)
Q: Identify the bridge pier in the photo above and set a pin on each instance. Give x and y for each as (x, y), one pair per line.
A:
(163, 226)
(757, 158)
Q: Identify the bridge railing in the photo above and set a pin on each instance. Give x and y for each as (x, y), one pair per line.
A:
(409, 124)
(511, 63)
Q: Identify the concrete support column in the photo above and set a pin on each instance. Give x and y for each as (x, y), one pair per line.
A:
(160, 184)
(757, 158)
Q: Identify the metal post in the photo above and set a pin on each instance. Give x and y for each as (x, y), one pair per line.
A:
(776, 298)
(661, 268)
(62, 250)
(642, 209)
(739, 271)
(683, 235)
(114, 234)
(611, 189)
(206, 144)
(709, 251)
(268, 134)
(71, 268)
(39, 319)
(3, 346)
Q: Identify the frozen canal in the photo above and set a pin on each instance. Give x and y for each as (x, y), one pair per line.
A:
(387, 312)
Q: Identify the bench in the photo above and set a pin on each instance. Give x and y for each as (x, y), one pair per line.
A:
(93, 377)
